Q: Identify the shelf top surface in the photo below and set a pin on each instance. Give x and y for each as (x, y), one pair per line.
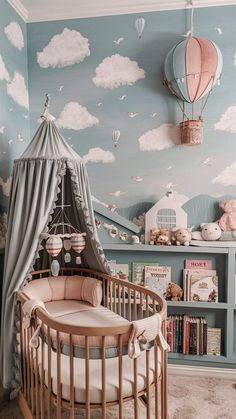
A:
(167, 249)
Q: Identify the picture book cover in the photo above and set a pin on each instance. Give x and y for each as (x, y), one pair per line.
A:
(213, 341)
(204, 287)
(198, 264)
(157, 278)
(138, 271)
(122, 271)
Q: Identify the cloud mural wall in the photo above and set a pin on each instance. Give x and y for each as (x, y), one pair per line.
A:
(103, 79)
(14, 121)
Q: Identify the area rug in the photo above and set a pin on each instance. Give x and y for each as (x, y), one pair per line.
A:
(189, 398)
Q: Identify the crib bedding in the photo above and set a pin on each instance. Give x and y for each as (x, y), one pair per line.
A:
(81, 313)
(95, 367)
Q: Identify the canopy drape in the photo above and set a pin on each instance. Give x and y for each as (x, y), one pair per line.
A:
(36, 179)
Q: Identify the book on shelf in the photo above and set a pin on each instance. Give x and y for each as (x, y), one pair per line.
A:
(200, 285)
(213, 341)
(198, 264)
(121, 271)
(187, 335)
(138, 271)
(157, 278)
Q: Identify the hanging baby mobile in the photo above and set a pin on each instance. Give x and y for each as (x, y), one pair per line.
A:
(192, 68)
(63, 234)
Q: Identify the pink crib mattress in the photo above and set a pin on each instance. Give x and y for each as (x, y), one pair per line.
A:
(81, 313)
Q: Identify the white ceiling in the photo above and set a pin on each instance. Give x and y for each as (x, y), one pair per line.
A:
(45, 10)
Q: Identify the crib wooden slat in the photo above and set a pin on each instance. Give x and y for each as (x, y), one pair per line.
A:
(32, 376)
(135, 305)
(104, 377)
(49, 373)
(135, 388)
(119, 300)
(129, 305)
(120, 365)
(141, 306)
(148, 383)
(124, 308)
(147, 308)
(37, 383)
(42, 380)
(164, 388)
(72, 390)
(87, 377)
(24, 353)
(156, 389)
(28, 366)
(58, 376)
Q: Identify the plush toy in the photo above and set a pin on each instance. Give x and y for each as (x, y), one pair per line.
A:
(210, 231)
(174, 292)
(182, 236)
(160, 236)
(228, 220)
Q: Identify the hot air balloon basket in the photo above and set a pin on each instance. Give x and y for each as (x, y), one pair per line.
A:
(191, 132)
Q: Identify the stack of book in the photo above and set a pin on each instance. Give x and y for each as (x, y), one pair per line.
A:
(200, 284)
(191, 336)
(187, 335)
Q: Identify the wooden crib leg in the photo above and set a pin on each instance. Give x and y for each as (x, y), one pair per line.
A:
(135, 388)
(87, 378)
(156, 377)
(148, 383)
(72, 390)
(104, 377)
(120, 364)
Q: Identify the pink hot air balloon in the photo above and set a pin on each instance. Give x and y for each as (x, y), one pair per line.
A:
(53, 245)
(192, 68)
(78, 242)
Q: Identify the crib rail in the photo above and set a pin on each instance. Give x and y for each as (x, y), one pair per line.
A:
(44, 367)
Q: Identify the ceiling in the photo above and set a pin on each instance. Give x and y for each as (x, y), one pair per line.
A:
(45, 10)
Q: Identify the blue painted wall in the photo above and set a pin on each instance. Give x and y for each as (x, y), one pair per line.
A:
(14, 115)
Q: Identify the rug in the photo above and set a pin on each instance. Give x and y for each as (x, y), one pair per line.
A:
(189, 398)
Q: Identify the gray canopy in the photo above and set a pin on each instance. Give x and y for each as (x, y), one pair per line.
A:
(36, 180)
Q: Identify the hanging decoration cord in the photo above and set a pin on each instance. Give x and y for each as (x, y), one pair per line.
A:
(190, 4)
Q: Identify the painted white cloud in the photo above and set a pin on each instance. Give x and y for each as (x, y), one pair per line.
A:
(3, 230)
(227, 177)
(18, 90)
(227, 121)
(15, 35)
(74, 116)
(6, 186)
(96, 155)
(4, 75)
(116, 71)
(165, 136)
(64, 49)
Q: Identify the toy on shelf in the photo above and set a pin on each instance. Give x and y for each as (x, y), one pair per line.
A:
(209, 232)
(174, 292)
(160, 236)
(182, 236)
(228, 220)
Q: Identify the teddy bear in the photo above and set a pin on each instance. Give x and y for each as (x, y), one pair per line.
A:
(160, 236)
(228, 220)
(182, 236)
(174, 292)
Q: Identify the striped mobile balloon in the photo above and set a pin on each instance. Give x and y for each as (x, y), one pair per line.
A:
(192, 67)
(53, 245)
(78, 242)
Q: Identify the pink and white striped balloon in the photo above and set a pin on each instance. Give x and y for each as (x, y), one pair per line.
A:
(78, 242)
(53, 245)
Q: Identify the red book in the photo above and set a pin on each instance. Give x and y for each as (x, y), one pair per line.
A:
(187, 334)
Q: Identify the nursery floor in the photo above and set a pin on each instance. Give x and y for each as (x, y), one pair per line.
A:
(189, 398)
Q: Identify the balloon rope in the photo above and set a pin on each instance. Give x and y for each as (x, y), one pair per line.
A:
(182, 109)
(192, 110)
(192, 15)
(207, 97)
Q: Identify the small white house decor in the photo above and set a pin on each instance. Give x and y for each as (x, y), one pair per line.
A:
(167, 214)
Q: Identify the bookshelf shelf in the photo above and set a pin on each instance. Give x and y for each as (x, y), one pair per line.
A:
(197, 305)
(221, 314)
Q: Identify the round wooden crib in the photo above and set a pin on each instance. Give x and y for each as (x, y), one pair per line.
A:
(57, 376)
